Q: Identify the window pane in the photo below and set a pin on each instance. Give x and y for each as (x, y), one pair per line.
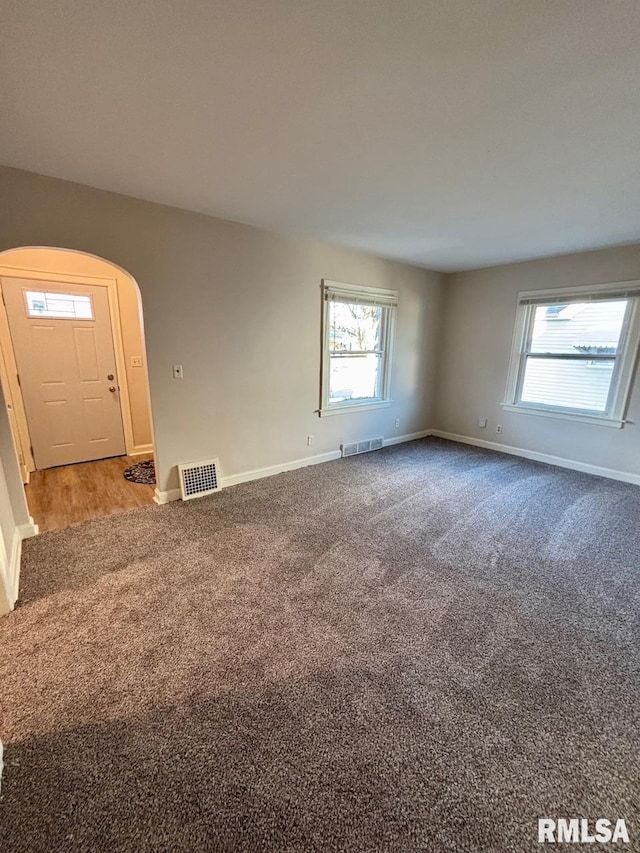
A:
(568, 383)
(59, 305)
(590, 327)
(354, 327)
(353, 377)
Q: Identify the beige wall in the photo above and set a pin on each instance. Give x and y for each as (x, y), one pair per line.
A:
(479, 317)
(240, 309)
(72, 263)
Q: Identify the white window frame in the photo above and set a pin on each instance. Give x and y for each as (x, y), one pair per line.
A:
(31, 315)
(337, 291)
(621, 381)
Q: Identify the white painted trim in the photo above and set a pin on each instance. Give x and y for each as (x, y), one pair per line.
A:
(355, 407)
(6, 581)
(387, 299)
(21, 531)
(344, 292)
(547, 458)
(13, 393)
(625, 359)
(258, 473)
(38, 273)
(121, 367)
(10, 574)
(29, 529)
(573, 293)
(564, 415)
(14, 566)
(162, 498)
(111, 283)
(412, 436)
(142, 450)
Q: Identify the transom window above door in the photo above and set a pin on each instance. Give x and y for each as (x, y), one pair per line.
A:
(60, 306)
(358, 335)
(574, 352)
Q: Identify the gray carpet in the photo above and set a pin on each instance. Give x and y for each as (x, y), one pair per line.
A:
(423, 648)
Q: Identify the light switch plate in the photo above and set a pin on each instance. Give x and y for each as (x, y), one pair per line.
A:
(177, 371)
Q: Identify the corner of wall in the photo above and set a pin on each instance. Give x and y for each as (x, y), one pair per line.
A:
(448, 280)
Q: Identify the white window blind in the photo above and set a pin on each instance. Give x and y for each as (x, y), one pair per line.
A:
(576, 351)
(358, 328)
(567, 297)
(336, 292)
(571, 355)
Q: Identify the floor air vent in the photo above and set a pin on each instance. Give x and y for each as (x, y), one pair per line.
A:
(198, 479)
(361, 446)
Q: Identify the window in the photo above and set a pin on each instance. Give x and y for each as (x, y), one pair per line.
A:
(574, 352)
(358, 329)
(72, 306)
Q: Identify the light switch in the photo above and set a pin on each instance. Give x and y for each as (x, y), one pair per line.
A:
(177, 371)
(136, 361)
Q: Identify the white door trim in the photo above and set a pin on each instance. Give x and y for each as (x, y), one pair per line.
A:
(13, 395)
(6, 344)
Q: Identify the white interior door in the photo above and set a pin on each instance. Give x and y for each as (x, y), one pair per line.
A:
(63, 345)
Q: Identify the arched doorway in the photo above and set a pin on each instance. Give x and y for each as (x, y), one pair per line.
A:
(74, 376)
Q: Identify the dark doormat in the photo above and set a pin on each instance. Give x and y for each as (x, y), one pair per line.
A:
(142, 472)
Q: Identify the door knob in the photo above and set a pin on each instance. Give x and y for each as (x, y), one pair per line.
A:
(112, 388)
(110, 377)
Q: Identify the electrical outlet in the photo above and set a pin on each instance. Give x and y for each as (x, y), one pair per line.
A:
(397, 422)
(136, 361)
(482, 423)
(177, 371)
(309, 441)
(498, 427)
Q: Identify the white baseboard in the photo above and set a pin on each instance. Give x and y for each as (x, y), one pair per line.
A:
(14, 566)
(411, 436)
(547, 458)
(585, 467)
(22, 531)
(29, 529)
(161, 497)
(141, 450)
(258, 473)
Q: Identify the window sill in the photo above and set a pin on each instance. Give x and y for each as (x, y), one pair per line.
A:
(616, 423)
(356, 407)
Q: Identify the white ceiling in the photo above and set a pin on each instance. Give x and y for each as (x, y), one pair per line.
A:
(448, 133)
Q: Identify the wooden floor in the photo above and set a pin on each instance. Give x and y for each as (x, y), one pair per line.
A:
(58, 497)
